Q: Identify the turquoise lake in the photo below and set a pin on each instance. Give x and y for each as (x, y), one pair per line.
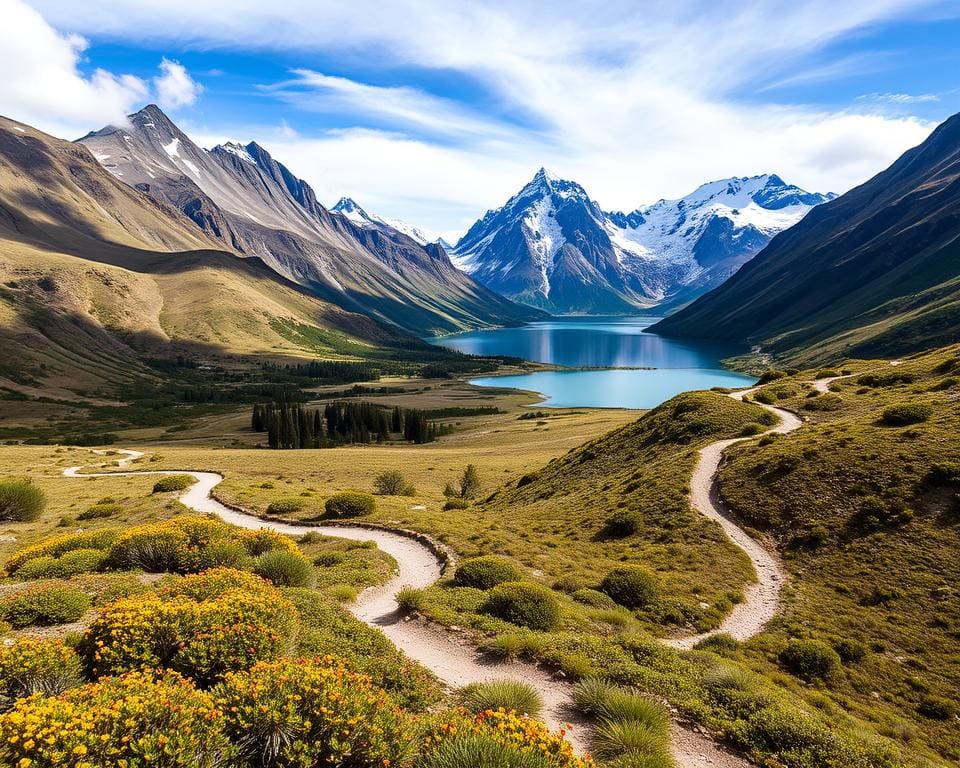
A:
(602, 342)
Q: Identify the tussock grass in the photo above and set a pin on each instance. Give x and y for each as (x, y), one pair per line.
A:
(514, 695)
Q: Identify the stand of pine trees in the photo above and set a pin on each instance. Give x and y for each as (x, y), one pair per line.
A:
(291, 425)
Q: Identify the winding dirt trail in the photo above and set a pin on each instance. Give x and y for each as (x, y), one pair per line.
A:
(456, 664)
(762, 598)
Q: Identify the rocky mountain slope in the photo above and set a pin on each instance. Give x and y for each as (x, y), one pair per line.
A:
(552, 246)
(874, 272)
(96, 276)
(253, 205)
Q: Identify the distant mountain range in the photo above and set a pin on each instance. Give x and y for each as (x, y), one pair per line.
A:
(874, 272)
(246, 202)
(551, 245)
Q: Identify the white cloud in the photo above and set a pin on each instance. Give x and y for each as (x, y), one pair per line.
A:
(42, 85)
(174, 86)
(634, 100)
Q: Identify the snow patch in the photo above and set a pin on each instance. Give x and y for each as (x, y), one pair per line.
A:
(171, 148)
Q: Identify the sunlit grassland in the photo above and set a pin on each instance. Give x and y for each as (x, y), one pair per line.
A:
(870, 531)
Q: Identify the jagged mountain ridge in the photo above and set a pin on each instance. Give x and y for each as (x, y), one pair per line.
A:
(347, 206)
(874, 272)
(253, 205)
(551, 245)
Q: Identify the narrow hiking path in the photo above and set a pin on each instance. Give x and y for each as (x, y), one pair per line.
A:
(762, 598)
(457, 664)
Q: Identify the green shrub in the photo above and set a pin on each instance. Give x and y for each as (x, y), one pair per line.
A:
(508, 695)
(45, 604)
(455, 504)
(485, 572)
(827, 402)
(410, 600)
(21, 501)
(69, 564)
(614, 738)
(301, 712)
(527, 605)
(98, 511)
(771, 375)
(58, 545)
(624, 522)
(284, 569)
(30, 666)
(826, 373)
(809, 659)
(730, 677)
(752, 428)
(134, 720)
(350, 504)
(392, 483)
(621, 705)
(282, 507)
(594, 598)
(945, 472)
(173, 483)
(849, 650)
(906, 413)
(938, 708)
(590, 694)
(719, 642)
(329, 559)
(482, 750)
(632, 586)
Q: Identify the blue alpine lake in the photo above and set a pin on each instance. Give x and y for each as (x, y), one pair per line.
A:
(648, 369)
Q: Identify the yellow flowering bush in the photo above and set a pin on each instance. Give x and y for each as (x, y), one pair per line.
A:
(311, 712)
(189, 544)
(44, 603)
(138, 720)
(515, 733)
(202, 626)
(60, 545)
(36, 666)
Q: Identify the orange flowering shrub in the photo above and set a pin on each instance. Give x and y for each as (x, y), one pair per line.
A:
(36, 666)
(515, 733)
(203, 626)
(139, 719)
(60, 545)
(312, 712)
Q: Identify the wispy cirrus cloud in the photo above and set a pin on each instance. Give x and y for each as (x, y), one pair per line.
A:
(899, 98)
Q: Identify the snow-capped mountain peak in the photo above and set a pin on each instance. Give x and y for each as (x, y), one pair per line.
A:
(348, 207)
(552, 232)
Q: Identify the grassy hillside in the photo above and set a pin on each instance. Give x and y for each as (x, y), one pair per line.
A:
(864, 502)
(874, 272)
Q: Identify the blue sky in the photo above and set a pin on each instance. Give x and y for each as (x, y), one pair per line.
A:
(433, 112)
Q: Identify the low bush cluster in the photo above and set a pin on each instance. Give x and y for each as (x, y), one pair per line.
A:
(99, 511)
(30, 666)
(21, 501)
(173, 483)
(71, 563)
(190, 544)
(284, 569)
(485, 572)
(59, 546)
(44, 604)
(508, 695)
(316, 712)
(349, 504)
(524, 604)
(906, 413)
(393, 483)
(203, 626)
(809, 659)
(138, 719)
(631, 586)
(496, 738)
(283, 507)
